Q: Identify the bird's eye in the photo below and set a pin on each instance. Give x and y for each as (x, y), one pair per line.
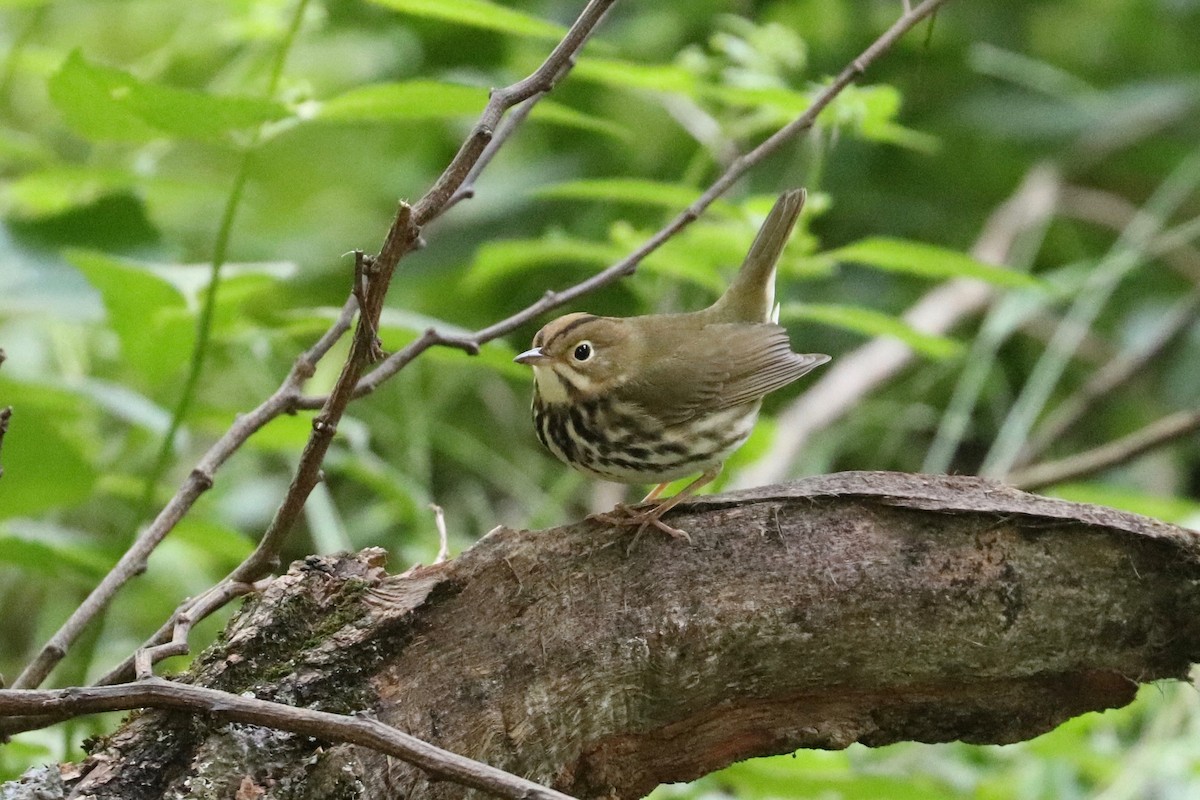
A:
(583, 351)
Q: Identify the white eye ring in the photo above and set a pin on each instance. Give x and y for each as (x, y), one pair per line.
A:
(584, 351)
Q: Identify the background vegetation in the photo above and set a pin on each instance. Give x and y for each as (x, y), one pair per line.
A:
(142, 142)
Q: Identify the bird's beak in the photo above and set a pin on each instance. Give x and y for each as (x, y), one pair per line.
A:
(531, 357)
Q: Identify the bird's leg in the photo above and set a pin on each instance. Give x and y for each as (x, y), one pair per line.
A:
(626, 517)
(622, 512)
(655, 492)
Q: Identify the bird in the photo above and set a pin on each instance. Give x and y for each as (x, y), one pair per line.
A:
(654, 398)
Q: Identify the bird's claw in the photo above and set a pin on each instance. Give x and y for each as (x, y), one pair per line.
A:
(622, 516)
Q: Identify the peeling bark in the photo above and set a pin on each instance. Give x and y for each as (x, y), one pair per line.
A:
(869, 607)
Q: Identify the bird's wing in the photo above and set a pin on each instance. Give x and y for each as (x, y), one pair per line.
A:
(718, 366)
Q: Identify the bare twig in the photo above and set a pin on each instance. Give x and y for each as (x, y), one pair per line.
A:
(200, 479)
(371, 281)
(1112, 211)
(853, 375)
(1120, 451)
(363, 269)
(360, 730)
(1116, 213)
(627, 266)
(439, 519)
(5, 416)
(205, 604)
(402, 236)
(1112, 376)
(1128, 253)
(540, 81)
(509, 125)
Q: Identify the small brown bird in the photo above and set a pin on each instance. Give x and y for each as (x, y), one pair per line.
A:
(655, 398)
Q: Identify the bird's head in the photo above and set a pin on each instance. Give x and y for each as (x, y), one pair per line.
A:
(580, 356)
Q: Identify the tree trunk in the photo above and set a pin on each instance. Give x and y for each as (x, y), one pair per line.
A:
(868, 607)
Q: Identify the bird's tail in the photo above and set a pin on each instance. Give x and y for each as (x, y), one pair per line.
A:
(751, 296)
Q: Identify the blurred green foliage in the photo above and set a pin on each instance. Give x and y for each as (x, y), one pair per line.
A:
(140, 140)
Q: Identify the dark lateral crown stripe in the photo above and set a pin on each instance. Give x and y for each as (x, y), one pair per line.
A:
(574, 324)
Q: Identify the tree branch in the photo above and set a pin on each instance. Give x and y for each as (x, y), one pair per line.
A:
(1117, 214)
(855, 374)
(133, 561)
(5, 416)
(626, 266)
(868, 607)
(321, 725)
(1110, 454)
(403, 233)
(1104, 382)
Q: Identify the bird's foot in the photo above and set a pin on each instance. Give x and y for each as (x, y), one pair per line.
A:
(622, 516)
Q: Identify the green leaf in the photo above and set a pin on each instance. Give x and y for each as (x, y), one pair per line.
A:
(285, 435)
(706, 254)
(506, 258)
(929, 261)
(816, 775)
(478, 14)
(399, 326)
(874, 323)
(211, 538)
(96, 101)
(59, 189)
(1177, 510)
(106, 103)
(400, 101)
(44, 463)
(672, 196)
(53, 559)
(872, 112)
(632, 75)
(553, 113)
(124, 404)
(147, 312)
(21, 150)
(789, 101)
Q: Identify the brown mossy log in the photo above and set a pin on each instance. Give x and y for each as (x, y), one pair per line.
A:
(868, 607)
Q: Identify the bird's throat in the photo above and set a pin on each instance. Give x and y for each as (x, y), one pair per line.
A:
(554, 387)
